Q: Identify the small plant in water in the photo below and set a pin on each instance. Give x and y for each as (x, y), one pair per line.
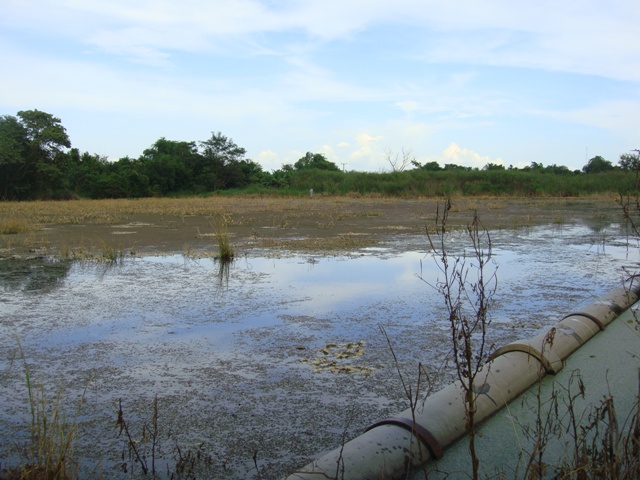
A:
(225, 249)
(50, 451)
(110, 252)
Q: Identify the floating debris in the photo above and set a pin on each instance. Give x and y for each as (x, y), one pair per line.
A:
(334, 358)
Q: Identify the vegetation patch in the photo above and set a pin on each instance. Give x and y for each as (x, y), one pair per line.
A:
(337, 358)
(13, 226)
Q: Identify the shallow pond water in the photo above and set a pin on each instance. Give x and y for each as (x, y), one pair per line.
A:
(267, 364)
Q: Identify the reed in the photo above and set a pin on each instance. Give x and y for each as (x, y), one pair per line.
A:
(226, 252)
(13, 226)
(50, 451)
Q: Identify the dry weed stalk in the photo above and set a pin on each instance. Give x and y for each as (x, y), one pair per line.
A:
(138, 448)
(467, 285)
(412, 394)
(50, 452)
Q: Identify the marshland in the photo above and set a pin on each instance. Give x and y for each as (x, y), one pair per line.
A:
(248, 364)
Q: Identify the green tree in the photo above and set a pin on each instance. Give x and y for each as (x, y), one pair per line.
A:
(47, 139)
(597, 165)
(168, 166)
(557, 169)
(220, 157)
(13, 141)
(84, 171)
(33, 161)
(428, 166)
(453, 166)
(317, 161)
(630, 162)
(493, 166)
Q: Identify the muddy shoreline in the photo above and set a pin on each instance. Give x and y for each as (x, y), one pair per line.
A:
(319, 224)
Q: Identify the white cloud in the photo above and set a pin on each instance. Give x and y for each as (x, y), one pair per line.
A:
(366, 153)
(592, 37)
(467, 158)
(407, 106)
(269, 160)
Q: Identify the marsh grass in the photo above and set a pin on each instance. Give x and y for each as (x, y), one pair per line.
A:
(596, 442)
(111, 252)
(13, 226)
(101, 251)
(49, 453)
(226, 252)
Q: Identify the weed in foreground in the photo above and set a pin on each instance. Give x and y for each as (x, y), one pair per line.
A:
(467, 285)
(50, 451)
(597, 444)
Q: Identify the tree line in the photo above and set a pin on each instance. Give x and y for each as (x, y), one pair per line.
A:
(37, 161)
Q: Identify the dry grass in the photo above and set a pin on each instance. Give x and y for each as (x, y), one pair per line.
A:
(52, 434)
(117, 210)
(13, 226)
(168, 224)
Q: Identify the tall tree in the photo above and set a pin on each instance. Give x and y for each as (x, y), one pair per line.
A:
(44, 131)
(317, 161)
(168, 165)
(32, 153)
(597, 165)
(221, 157)
(13, 141)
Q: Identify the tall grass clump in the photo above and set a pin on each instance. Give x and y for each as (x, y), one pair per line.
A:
(111, 253)
(49, 453)
(13, 226)
(226, 252)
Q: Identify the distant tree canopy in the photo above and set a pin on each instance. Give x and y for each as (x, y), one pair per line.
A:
(427, 166)
(37, 161)
(32, 154)
(317, 161)
(597, 165)
(630, 162)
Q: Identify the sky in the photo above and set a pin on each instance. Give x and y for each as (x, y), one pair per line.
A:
(468, 82)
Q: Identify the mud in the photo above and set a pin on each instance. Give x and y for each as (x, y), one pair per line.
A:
(319, 224)
(288, 352)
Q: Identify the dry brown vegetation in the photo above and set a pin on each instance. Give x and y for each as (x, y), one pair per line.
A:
(81, 228)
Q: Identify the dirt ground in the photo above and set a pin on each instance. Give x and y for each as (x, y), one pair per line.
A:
(319, 224)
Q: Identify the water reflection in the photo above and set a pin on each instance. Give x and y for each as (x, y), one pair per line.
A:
(31, 275)
(223, 269)
(243, 360)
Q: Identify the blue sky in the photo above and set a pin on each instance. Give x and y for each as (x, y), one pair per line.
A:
(456, 81)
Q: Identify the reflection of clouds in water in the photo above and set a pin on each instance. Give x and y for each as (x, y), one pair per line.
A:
(341, 283)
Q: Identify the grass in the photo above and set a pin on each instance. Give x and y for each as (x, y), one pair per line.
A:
(108, 212)
(50, 451)
(226, 252)
(13, 226)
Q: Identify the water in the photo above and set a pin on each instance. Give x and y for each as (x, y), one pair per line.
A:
(261, 358)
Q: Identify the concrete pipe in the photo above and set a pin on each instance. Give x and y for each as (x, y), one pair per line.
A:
(391, 447)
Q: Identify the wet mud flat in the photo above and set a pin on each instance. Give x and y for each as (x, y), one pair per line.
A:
(263, 366)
